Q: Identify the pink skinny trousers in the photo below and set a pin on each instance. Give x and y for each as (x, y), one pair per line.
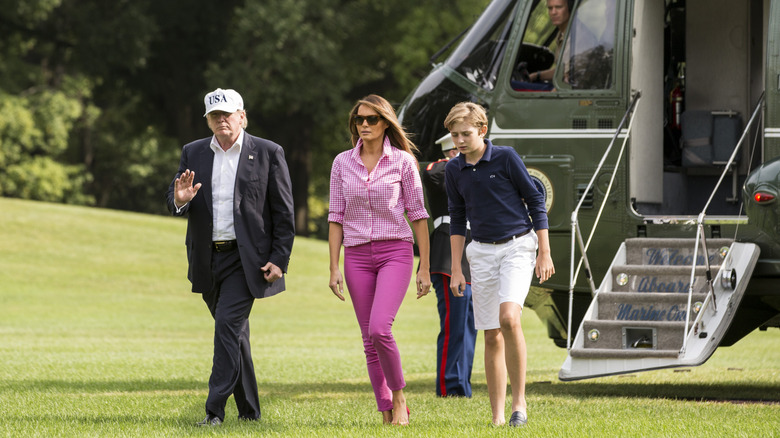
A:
(377, 276)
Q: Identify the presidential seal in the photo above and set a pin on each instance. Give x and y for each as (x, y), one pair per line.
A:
(544, 185)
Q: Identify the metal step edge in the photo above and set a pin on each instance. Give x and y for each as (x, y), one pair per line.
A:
(608, 323)
(666, 269)
(591, 353)
(650, 297)
(656, 242)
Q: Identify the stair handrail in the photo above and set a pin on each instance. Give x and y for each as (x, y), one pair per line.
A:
(576, 233)
(700, 235)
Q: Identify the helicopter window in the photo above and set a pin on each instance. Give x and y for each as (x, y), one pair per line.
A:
(583, 59)
(537, 51)
(540, 30)
(588, 56)
(479, 56)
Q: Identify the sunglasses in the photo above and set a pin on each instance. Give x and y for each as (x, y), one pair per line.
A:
(372, 120)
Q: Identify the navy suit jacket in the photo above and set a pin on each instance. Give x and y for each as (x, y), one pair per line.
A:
(262, 212)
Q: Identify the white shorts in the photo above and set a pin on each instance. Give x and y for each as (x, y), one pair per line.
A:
(500, 273)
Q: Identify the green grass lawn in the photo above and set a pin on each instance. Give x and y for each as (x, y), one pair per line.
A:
(101, 337)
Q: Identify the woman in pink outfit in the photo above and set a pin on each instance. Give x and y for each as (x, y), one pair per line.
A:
(372, 186)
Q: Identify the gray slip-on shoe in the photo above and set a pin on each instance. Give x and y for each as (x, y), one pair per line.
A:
(519, 418)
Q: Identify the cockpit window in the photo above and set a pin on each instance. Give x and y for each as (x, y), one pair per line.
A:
(479, 56)
(540, 30)
(567, 44)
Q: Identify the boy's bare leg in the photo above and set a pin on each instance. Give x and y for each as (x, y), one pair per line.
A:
(495, 373)
(515, 351)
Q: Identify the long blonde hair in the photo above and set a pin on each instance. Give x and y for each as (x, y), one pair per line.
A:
(398, 137)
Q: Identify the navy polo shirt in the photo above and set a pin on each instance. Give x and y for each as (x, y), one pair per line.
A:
(496, 195)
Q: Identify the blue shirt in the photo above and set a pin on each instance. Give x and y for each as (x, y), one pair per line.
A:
(496, 195)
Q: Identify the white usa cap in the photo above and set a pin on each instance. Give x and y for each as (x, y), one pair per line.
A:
(228, 101)
(446, 143)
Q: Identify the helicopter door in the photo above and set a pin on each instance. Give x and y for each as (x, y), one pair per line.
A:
(696, 63)
(562, 131)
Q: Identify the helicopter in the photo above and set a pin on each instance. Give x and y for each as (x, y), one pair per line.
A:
(655, 139)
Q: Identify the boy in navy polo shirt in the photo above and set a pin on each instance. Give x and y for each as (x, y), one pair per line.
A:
(490, 187)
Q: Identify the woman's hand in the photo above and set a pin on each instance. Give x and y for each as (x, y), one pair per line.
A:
(423, 283)
(337, 284)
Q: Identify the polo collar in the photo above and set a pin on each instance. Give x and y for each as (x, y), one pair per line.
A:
(461, 159)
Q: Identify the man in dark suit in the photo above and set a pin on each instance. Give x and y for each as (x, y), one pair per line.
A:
(235, 189)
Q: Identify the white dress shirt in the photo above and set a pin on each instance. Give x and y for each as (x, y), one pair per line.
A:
(223, 183)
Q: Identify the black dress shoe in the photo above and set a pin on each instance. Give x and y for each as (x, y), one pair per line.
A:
(209, 421)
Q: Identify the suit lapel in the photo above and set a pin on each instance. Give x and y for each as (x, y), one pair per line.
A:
(246, 164)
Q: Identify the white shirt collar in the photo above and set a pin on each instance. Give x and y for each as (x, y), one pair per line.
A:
(239, 141)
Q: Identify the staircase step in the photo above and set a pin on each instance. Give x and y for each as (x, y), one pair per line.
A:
(673, 252)
(637, 321)
(633, 335)
(663, 278)
(635, 306)
(588, 353)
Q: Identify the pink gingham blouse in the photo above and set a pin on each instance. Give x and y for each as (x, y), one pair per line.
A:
(371, 206)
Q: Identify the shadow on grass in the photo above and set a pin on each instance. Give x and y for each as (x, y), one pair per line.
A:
(284, 406)
(102, 386)
(160, 385)
(727, 392)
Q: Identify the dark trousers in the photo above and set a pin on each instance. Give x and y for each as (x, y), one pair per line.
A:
(232, 371)
(457, 337)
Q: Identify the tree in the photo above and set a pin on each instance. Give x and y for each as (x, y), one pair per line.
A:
(301, 64)
(35, 119)
(99, 96)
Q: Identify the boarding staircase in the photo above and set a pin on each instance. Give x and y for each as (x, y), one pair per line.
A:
(664, 302)
(647, 315)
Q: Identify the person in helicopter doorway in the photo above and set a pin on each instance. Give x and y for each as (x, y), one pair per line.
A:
(559, 12)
